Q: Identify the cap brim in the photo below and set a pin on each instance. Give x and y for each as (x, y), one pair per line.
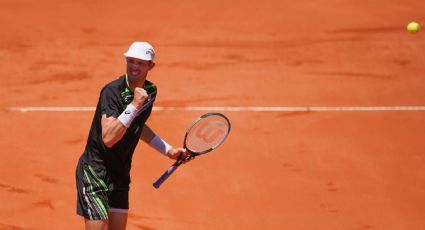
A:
(145, 58)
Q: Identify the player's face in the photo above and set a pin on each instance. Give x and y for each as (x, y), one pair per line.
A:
(138, 69)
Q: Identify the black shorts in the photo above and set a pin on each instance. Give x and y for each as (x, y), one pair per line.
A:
(94, 194)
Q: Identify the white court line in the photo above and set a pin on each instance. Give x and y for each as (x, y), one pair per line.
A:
(235, 108)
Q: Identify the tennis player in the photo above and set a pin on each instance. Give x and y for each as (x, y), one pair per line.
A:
(103, 170)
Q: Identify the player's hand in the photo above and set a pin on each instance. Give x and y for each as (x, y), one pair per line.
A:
(139, 98)
(176, 153)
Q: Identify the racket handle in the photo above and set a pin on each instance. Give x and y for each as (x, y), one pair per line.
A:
(164, 176)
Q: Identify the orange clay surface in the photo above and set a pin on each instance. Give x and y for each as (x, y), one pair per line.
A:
(344, 170)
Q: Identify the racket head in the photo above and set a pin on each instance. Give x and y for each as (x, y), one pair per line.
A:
(206, 133)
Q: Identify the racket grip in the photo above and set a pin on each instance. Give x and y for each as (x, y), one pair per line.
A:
(164, 176)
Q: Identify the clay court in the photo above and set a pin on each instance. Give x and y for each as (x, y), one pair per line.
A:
(326, 99)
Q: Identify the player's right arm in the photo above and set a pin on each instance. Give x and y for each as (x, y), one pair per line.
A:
(113, 129)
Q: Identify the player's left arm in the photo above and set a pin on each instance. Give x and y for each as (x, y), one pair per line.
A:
(156, 142)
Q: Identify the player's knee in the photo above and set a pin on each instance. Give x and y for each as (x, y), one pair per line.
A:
(96, 224)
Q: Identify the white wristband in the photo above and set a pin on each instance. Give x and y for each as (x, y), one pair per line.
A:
(128, 115)
(160, 145)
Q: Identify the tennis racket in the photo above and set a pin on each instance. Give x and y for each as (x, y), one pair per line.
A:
(204, 135)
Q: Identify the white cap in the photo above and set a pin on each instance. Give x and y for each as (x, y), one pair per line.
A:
(141, 50)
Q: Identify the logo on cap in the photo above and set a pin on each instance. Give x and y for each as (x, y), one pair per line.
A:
(150, 52)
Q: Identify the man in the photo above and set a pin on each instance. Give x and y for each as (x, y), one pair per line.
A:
(103, 170)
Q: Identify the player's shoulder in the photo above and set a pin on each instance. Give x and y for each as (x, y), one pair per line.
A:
(115, 85)
(149, 86)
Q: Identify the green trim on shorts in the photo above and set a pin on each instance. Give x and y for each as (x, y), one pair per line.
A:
(97, 199)
(97, 178)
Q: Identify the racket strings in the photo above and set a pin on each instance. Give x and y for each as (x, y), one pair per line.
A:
(208, 133)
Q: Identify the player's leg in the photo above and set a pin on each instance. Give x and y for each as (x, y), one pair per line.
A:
(96, 224)
(92, 198)
(118, 209)
(117, 219)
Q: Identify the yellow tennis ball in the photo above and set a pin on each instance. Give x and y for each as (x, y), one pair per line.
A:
(413, 27)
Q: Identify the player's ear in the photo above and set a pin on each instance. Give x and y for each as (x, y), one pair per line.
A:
(151, 65)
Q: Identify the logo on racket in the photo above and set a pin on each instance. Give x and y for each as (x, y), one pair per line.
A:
(209, 131)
